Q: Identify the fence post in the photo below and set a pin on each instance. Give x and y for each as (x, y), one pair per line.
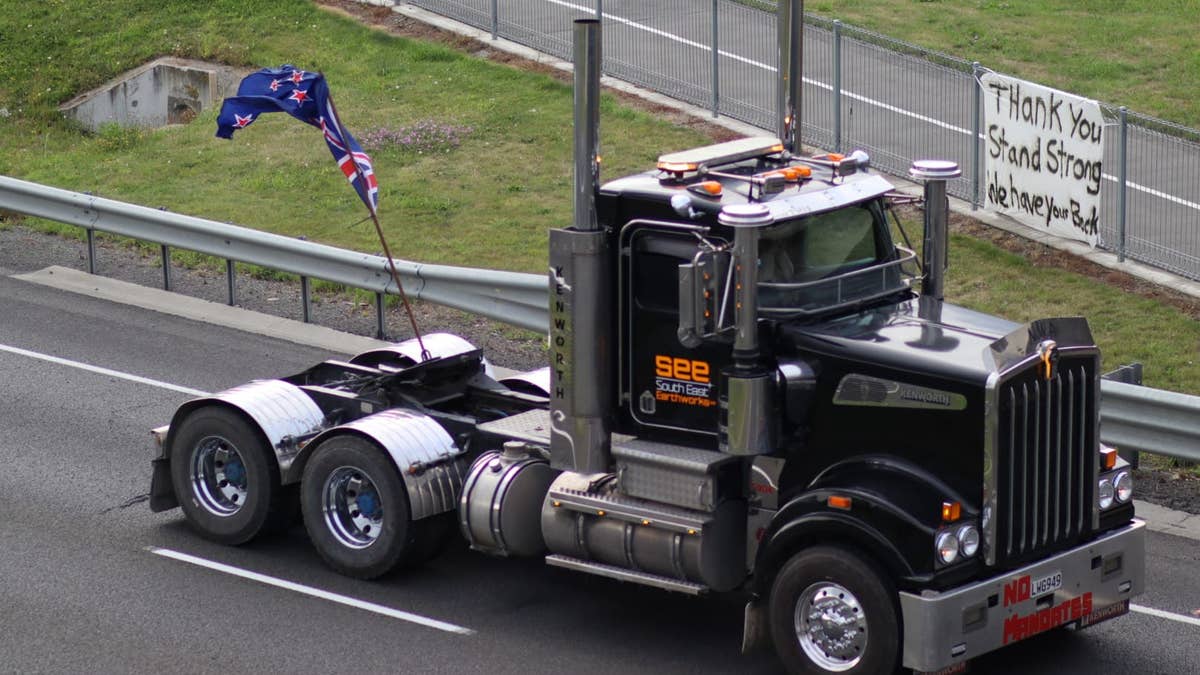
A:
(600, 18)
(231, 280)
(91, 250)
(976, 157)
(495, 19)
(166, 263)
(1122, 180)
(837, 86)
(716, 59)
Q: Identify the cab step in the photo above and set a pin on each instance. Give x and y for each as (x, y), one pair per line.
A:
(623, 574)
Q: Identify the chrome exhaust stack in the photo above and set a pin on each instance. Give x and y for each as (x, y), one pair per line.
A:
(790, 38)
(580, 302)
(745, 425)
(934, 174)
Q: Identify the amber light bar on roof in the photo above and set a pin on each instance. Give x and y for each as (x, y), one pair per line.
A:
(686, 161)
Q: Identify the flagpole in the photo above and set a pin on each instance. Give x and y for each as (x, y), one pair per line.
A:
(425, 355)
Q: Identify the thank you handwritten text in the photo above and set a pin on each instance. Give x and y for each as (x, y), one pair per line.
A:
(1044, 152)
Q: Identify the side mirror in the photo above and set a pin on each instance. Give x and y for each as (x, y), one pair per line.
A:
(705, 296)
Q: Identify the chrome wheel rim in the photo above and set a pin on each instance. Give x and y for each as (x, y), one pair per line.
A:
(831, 626)
(352, 508)
(218, 476)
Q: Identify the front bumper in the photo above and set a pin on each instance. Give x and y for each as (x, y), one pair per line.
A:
(1094, 582)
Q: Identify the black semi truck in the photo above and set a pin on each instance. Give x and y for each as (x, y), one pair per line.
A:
(746, 393)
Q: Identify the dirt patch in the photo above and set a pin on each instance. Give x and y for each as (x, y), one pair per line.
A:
(1041, 255)
(1174, 489)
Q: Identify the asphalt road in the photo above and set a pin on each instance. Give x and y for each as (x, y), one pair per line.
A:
(81, 590)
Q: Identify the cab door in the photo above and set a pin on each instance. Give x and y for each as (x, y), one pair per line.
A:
(666, 386)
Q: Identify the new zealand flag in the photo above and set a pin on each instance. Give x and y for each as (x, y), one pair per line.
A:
(305, 96)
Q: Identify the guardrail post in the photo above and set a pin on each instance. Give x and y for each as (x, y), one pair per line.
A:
(166, 265)
(976, 157)
(231, 280)
(495, 19)
(1122, 180)
(305, 300)
(717, 64)
(91, 250)
(379, 317)
(837, 86)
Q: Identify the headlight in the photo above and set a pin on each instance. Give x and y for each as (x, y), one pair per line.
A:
(947, 547)
(968, 540)
(1123, 487)
(1105, 493)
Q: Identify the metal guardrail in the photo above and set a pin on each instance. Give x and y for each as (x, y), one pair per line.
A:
(1151, 420)
(1131, 416)
(511, 297)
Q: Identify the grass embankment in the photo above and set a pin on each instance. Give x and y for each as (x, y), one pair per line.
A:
(487, 202)
(1144, 55)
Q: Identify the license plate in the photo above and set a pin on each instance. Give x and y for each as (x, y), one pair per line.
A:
(1047, 584)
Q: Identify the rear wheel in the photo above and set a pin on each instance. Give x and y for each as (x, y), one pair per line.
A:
(227, 483)
(832, 611)
(356, 509)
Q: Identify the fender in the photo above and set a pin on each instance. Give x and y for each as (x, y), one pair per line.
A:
(430, 464)
(536, 382)
(280, 413)
(408, 352)
(894, 514)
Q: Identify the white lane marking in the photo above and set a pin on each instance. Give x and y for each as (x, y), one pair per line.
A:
(849, 94)
(1191, 621)
(102, 371)
(313, 592)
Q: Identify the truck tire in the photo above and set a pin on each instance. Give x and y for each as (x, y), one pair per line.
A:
(832, 611)
(226, 479)
(356, 509)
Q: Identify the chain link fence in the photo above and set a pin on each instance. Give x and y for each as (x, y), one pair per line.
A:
(897, 101)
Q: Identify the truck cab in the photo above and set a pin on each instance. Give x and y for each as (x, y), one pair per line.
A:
(748, 392)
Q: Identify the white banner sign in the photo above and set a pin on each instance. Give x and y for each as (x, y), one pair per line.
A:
(1044, 156)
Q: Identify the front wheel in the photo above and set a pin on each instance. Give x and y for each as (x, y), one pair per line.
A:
(832, 611)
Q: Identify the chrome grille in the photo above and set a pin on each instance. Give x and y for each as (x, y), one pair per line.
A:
(1046, 457)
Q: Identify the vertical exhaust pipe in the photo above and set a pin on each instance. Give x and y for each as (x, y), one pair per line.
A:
(746, 404)
(790, 37)
(581, 381)
(934, 174)
(587, 122)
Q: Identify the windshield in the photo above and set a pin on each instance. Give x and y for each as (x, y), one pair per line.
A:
(827, 261)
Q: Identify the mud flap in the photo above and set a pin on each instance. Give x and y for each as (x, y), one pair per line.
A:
(162, 492)
(754, 627)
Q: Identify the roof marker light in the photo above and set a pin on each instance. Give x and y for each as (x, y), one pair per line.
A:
(792, 174)
(708, 188)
